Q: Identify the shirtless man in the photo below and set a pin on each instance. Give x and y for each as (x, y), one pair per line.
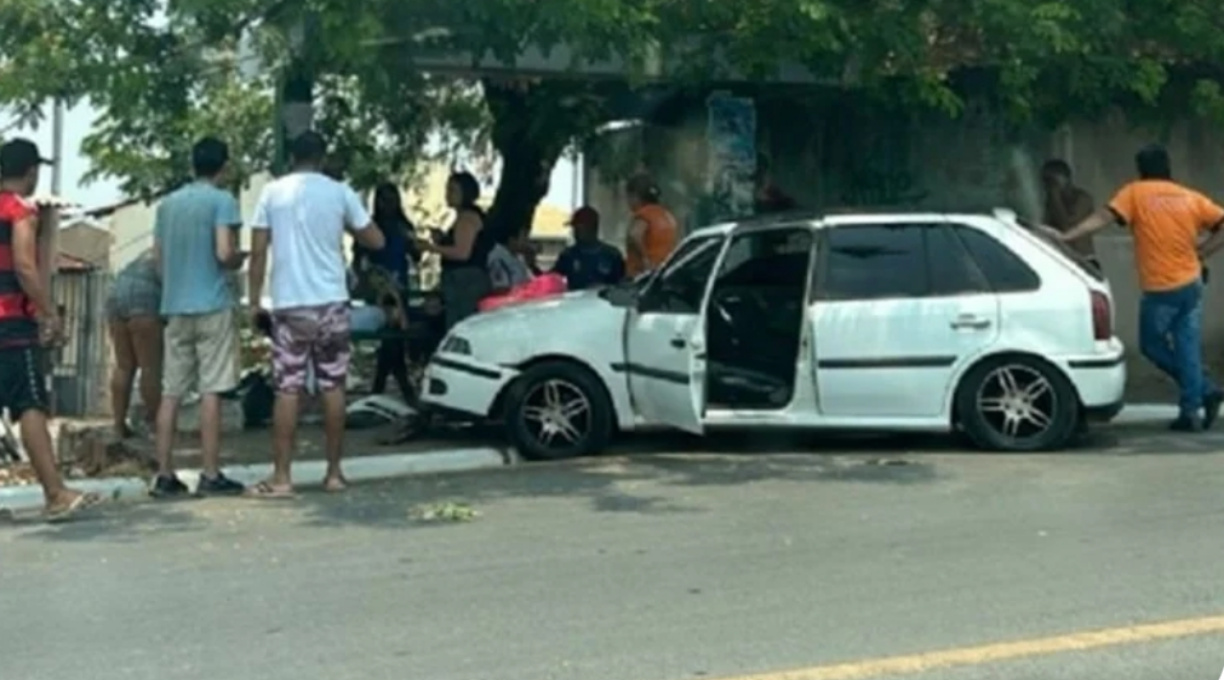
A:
(1066, 205)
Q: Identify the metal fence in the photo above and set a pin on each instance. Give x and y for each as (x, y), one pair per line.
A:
(80, 366)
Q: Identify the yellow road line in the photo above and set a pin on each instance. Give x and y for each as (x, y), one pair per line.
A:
(1002, 651)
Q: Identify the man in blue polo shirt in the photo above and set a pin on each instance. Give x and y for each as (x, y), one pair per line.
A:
(589, 263)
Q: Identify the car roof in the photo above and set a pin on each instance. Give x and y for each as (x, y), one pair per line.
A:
(817, 218)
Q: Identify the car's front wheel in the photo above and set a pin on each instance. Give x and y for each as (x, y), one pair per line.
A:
(558, 410)
(1017, 403)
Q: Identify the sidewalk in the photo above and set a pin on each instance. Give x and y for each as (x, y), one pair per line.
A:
(246, 457)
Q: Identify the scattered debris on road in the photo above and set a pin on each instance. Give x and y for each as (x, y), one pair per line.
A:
(444, 512)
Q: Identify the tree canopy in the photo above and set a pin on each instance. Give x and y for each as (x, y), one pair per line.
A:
(162, 74)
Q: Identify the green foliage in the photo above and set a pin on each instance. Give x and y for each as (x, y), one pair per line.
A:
(163, 74)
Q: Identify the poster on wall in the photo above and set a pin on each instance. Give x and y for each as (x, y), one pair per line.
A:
(731, 143)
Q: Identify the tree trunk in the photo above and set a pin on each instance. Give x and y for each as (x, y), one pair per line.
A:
(531, 128)
(522, 184)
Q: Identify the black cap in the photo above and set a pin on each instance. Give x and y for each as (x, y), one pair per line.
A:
(18, 155)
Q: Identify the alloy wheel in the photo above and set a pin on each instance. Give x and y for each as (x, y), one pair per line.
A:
(557, 414)
(1018, 402)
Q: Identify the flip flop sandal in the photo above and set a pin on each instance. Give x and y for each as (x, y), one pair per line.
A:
(264, 491)
(82, 502)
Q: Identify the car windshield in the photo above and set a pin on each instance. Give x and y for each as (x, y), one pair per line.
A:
(1041, 232)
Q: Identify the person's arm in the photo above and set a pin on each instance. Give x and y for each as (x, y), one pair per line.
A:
(1081, 208)
(1058, 213)
(637, 238)
(1118, 210)
(226, 224)
(156, 250)
(364, 231)
(465, 229)
(1211, 220)
(1064, 211)
(261, 238)
(25, 264)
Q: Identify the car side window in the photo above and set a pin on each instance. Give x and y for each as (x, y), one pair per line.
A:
(872, 262)
(680, 285)
(1004, 270)
(953, 269)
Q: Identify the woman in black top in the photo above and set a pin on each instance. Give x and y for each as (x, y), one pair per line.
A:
(464, 249)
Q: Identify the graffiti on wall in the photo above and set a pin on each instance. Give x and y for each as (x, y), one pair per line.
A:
(731, 162)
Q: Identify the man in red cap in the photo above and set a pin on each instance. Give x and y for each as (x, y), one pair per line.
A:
(589, 263)
(29, 320)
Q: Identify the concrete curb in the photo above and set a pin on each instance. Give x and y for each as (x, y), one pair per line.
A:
(306, 474)
(1133, 414)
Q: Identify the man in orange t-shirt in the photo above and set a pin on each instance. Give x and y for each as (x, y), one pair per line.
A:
(1167, 221)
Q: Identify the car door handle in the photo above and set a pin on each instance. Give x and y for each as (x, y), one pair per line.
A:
(970, 322)
(678, 343)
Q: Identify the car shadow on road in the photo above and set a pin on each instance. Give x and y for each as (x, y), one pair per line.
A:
(632, 479)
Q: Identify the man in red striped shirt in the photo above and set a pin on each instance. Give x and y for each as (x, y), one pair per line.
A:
(28, 321)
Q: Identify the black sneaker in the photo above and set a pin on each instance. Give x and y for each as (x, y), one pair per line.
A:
(219, 486)
(168, 486)
(1211, 408)
(1186, 424)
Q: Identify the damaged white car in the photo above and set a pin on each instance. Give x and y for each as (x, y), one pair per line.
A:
(920, 322)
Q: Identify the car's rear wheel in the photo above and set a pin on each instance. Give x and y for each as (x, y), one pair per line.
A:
(1017, 403)
(558, 410)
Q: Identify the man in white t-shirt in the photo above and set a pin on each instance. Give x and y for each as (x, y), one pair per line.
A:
(301, 219)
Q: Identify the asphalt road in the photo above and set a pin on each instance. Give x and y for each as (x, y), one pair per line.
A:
(653, 568)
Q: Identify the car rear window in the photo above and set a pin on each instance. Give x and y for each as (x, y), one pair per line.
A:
(1067, 251)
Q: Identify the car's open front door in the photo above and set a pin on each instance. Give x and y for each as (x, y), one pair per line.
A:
(665, 344)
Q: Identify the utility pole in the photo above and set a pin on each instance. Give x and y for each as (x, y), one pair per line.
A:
(294, 108)
(48, 234)
(57, 147)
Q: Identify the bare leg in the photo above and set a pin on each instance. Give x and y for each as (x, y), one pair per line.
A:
(333, 433)
(37, 442)
(284, 431)
(122, 377)
(167, 423)
(146, 336)
(210, 434)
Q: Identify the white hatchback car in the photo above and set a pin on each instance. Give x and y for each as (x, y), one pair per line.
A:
(919, 322)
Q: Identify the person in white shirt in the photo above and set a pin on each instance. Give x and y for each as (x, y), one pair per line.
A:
(301, 219)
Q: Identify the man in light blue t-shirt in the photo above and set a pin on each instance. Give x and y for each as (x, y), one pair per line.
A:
(195, 242)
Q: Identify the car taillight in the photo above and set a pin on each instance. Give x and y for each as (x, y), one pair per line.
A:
(1102, 318)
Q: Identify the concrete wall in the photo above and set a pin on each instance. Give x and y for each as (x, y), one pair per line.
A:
(845, 154)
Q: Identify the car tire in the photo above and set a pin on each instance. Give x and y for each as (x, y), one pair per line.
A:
(1017, 404)
(537, 390)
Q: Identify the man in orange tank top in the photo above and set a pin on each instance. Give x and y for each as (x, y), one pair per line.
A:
(1166, 220)
(653, 233)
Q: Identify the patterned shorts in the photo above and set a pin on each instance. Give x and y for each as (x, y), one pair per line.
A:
(315, 337)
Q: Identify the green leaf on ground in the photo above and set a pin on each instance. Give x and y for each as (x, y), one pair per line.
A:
(444, 512)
